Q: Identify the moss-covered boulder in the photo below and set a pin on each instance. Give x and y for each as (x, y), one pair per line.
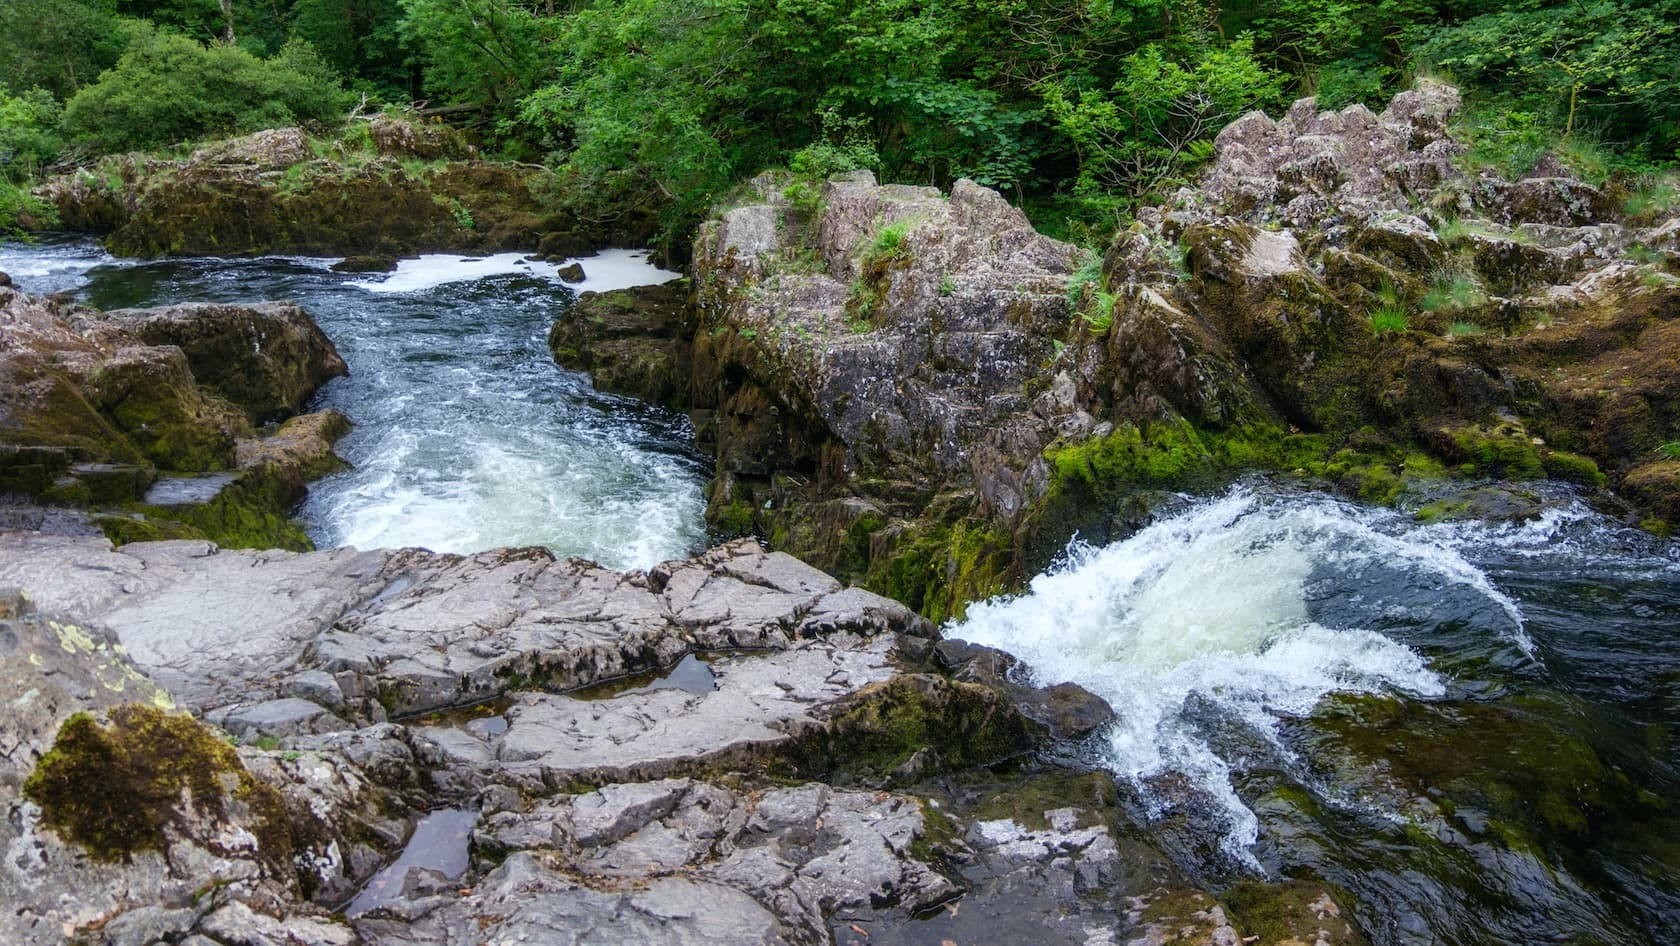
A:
(150, 395)
(96, 407)
(630, 341)
(269, 357)
(405, 189)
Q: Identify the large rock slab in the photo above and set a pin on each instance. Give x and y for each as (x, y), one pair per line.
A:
(403, 633)
(760, 703)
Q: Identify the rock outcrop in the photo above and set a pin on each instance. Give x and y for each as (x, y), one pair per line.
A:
(635, 341)
(365, 688)
(401, 188)
(919, 392)
(268, 358)
(148, 417)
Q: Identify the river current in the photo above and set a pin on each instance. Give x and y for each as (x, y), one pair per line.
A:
(467, 435)
(1472, 729)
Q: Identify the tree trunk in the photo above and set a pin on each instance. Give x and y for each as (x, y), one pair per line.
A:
(227, 14)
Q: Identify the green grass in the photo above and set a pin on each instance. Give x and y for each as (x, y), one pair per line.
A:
(1657, 197)
(1463, 329)
(1388, 319)
(889, 243)
(947, 285)
(1645, 256)
(1101, 315)
(1088, 274)
(1670, 450)
(1458, 229)
(1452, 291)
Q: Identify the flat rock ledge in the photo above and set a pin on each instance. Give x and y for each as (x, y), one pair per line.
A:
(495, 748)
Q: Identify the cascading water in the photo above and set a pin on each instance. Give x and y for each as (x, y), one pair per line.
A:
(1472, 729)
(467, 435)
(1313, 685)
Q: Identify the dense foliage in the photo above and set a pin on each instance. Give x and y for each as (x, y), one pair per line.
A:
(657, 107)
(169, 88)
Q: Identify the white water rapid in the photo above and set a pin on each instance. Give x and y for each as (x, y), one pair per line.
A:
(1250, 606)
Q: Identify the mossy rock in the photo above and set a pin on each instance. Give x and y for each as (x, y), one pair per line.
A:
(44, 409)
(938, 567)
(1293, 911)
(250, 513)
(1532, 763)
(149, 394)
(125, 788)
(912, 726)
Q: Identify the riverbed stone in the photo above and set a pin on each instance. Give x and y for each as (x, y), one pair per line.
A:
(290, 716)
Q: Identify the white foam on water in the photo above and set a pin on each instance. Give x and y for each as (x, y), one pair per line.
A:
(439, 269)
(620, 269)
(52, 268)
(603, 272)
(1211, 608)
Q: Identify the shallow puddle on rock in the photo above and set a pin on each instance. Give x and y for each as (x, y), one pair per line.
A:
(484, 720)
(691, 674)
(439, 843)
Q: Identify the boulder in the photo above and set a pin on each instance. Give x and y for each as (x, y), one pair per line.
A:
(268, 358)
(630, 341)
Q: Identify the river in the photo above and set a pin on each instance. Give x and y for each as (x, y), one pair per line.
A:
(467, 435)
(1472, 729)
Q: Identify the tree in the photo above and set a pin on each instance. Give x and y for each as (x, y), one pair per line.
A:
(59, 45)
(1611, 62)
(1158, 119)
(479, 52)
(169, 88)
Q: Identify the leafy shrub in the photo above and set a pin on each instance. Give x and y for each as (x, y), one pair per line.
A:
(21, 211)
(1158, 120)
(28, 132)
(168, 89)
(844, 145)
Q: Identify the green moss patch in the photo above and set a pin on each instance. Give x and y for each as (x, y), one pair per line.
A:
(882, 728)
(122, 789)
